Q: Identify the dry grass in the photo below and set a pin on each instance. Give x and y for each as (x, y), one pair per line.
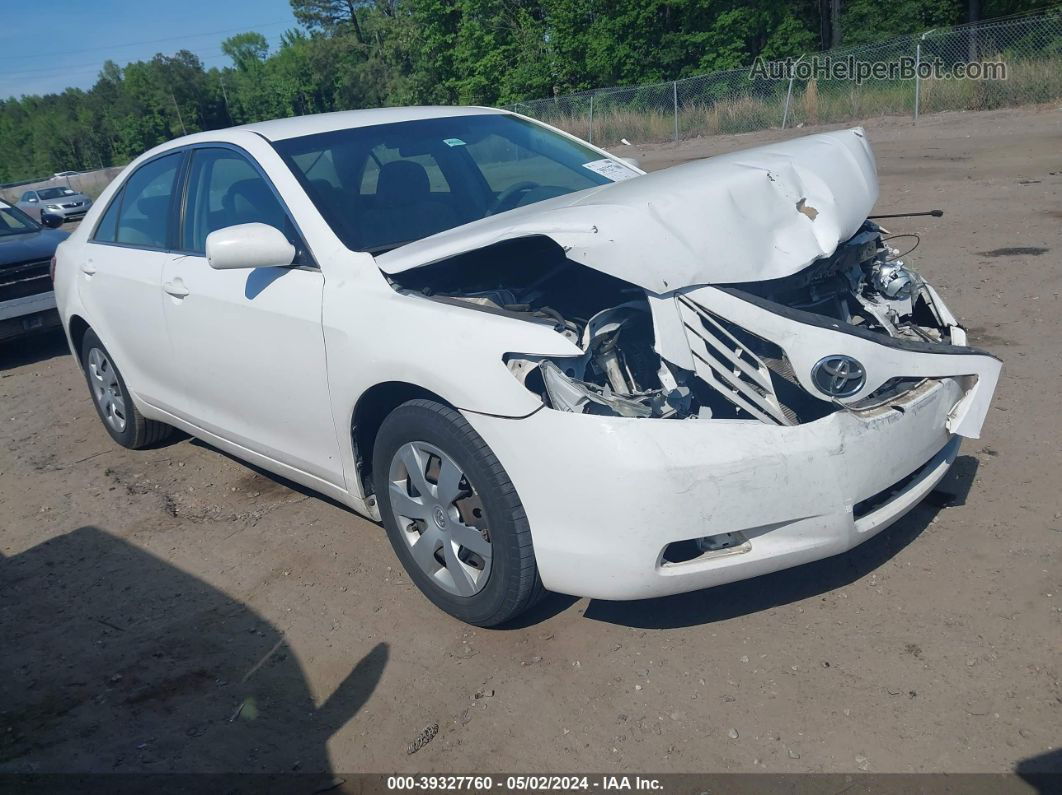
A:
(823, 102)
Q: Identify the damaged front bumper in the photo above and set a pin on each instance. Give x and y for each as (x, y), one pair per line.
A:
(624, 507)
(609, 497)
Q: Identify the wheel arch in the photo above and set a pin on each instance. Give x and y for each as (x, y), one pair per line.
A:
(370, 411)
(76, 330)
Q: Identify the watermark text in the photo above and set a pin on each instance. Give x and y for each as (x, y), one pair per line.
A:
(906, 67)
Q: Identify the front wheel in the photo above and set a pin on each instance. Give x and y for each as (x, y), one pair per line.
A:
(453, 516)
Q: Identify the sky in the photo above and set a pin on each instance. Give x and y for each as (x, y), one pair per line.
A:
(47, 47)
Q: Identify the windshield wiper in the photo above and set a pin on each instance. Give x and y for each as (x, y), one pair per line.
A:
(388, 247)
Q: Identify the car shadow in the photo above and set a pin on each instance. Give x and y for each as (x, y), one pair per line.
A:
(116, 661)
(33, 349)
(743, 598)
(1043, 772)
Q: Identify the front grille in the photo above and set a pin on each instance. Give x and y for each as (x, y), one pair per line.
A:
(730, 366)
(752, 373)
(29, 278)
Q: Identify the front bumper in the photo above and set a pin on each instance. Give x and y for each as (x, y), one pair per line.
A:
(68, 213)
(605, 495)
(27, 305)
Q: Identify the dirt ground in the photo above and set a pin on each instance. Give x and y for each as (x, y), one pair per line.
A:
(174, 609)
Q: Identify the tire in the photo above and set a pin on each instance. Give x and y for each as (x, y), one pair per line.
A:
(113, 401)
(427, 529)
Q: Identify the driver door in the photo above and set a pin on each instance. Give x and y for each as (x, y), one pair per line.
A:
(248, 343)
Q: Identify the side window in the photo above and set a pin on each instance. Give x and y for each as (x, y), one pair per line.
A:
(144, 218)
(224, 190)
(108, 225)
(28, 196)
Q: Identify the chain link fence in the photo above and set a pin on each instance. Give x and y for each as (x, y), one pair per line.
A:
(979, 66)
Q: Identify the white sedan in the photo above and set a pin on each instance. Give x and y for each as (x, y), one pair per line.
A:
(537, 366)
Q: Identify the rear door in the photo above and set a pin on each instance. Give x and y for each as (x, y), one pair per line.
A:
(248, 343)
(120, 278)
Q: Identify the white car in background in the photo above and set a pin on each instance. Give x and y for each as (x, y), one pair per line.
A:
(538, 367)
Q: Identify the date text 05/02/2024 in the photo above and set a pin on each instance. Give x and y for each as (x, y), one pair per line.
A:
(522, 783)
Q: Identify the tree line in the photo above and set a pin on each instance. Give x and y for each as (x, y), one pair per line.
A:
(369, 53)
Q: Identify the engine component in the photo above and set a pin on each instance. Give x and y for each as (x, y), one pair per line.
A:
(893, 280)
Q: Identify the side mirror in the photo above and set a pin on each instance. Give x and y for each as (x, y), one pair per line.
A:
(631, 161)
(248, 246)
(51, 221)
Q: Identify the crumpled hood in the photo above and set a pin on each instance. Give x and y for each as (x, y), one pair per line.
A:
(751, 215)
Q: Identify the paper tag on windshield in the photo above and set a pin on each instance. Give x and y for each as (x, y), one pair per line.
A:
(453, 142)
(610, 169)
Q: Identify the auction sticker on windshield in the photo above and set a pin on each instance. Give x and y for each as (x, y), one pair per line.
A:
(617, 172)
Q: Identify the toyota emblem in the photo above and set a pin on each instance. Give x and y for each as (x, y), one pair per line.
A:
(838, 376)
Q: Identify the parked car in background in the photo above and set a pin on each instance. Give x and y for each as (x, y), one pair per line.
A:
(61, 174)
(537, 366)
(27, 302)
(64, 203)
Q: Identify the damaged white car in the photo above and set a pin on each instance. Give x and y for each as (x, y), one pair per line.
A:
(538, 367)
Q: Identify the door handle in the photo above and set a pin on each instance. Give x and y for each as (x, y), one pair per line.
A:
(88, 268)
(176, 288)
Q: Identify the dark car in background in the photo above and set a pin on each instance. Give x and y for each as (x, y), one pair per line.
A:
(27, 302)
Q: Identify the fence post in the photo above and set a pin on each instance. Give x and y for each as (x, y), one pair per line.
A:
(789, 92)
(674, 96)
(591, 138)
(918, 77)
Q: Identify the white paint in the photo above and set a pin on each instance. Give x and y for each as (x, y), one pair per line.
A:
(248, 246)
(268, 364)
(629, 487)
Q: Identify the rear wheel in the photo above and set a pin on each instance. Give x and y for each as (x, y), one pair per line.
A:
(453, 516)
(114, 404)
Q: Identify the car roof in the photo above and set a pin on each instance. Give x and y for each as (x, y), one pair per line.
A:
(281, 129)
(296, 126)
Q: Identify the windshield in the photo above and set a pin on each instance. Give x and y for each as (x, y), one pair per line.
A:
(15, 222)
(54, 193)
(382, 186)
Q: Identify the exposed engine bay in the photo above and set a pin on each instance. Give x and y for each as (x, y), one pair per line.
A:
(863, 286)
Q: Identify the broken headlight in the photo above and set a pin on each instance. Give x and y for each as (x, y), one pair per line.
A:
(619, 374)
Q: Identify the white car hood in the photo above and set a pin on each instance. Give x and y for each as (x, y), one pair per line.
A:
(751, 215)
